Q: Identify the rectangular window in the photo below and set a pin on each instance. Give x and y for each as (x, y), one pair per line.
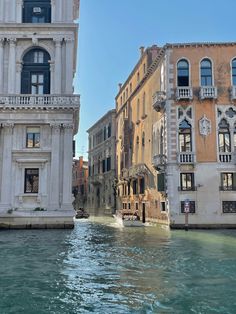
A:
(108, 163)
(33, 137)
(163, 206)
(228, 181)
(134, 187)
(187, 182)
(141, 185)
(229, 207)
(31, 180)
(36, 11)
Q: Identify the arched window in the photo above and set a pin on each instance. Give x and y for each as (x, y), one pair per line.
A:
(183, 73)
(234, 72)
(36, 11)
(35, 76)
(161, 140)
(138, 105)
(224, 137)
(206, 72)
(185, 136)
(143, 139)
(144, 104)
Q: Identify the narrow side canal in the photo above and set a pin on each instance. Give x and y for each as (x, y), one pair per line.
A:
(100, 268)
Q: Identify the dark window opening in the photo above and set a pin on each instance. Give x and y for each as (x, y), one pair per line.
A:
(187, 181)
(206, 73)
(142, 185)
(36, 11)
(185, 137)
(135, 190)
(234, 72)
(183, 73)
(35, 76)
(31, 180)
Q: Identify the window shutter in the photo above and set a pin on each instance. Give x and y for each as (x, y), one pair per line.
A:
(25, 82)
(46, 82)
(161, 182)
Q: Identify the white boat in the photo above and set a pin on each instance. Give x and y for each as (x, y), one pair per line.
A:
(128, 219)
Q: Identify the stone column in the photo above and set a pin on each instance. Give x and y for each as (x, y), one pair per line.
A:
(18, 78)
(11, 65)
(67, 166)
(19, 5)
(58, 65)
(52, 77)
(6, 185)
(53, 11)
(1, 65)
(59, 12)
(69, 65)
(1, 11)
(55, 166)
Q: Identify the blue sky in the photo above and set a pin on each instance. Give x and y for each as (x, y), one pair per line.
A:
(111, 32)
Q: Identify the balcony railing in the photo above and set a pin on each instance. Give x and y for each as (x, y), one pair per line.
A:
(138, 170)
(159, 161)
(225, 157)
(208, 92)
(186, 189)
(184, 93)
(40, 101)
(186, 158)
(233, 92)
(158, 101)
(227, 188)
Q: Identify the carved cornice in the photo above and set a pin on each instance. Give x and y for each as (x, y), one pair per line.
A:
(67, 126)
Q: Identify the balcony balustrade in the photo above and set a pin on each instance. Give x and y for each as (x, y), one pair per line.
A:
(227, 188)
(225, 157)
(158, 101)
(184, 93)
(40, 101)
(208, 92)
(186, 158)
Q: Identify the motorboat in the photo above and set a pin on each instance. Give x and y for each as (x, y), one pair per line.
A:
(128, 219)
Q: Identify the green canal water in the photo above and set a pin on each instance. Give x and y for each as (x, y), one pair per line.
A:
(100, 268)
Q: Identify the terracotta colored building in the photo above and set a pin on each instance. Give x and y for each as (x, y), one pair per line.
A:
(176, 135)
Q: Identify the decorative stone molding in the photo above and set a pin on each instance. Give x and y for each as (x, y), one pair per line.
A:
(67, 126)
(55, 127)
(35, 41)
(68, 39)
(2, 41)
(204, 126)
(18, 66)
(57, 40)
(12, 41)
(9, 125)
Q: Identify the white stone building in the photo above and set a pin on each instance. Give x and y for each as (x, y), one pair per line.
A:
(38, 112)
(101, 162)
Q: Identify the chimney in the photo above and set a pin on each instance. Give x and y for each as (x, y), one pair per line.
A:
(141, 50)
(120, 85)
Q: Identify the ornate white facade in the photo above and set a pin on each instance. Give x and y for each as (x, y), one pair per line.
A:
(37, 127)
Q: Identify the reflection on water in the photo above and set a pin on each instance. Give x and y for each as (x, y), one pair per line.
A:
(100, 268)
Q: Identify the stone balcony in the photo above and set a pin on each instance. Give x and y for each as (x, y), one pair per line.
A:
(186, 158)
(208, 92)
(159, 161)
(184, 93)
(40, 101)
(138, 170)
(158, 101)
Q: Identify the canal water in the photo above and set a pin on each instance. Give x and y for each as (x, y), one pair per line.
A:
(100, 268)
